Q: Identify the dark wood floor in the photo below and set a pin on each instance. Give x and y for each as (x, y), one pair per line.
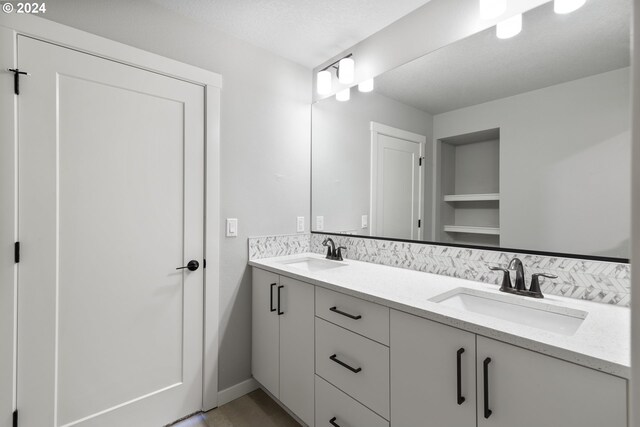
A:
(255, 409)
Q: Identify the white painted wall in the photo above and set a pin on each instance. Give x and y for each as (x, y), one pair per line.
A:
(265, 122)
(564, 169)
(341, 169)
(634, 407)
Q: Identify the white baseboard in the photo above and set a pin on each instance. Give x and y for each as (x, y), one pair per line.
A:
(236, 391)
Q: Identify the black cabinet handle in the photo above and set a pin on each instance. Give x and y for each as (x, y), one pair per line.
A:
(350, 316)
(341, 363)
(280, 313)
(271, 307)
(485, 372)
(461, 398)
(333, 422)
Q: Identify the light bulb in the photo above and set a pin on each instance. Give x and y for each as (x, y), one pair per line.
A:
(490, 9)
(366, 86)
(323, 81)
(567, 6)
(344, 95)
(509, 27)
(346, 68)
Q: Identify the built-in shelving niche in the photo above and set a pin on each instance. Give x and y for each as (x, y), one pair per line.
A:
(469, 188)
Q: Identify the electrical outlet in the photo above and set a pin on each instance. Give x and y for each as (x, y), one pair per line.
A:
(319, 223)
(300, 226)
(365, 221)
(232, 227)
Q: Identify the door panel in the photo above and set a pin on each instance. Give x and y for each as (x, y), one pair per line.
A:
(111, 202)
(265, 335)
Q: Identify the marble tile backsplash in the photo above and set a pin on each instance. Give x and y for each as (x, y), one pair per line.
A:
(598, 281)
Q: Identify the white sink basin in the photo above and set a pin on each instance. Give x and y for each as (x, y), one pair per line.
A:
(313, 265)
(533, 313)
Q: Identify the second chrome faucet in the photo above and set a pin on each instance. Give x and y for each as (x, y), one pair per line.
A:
(520, 288)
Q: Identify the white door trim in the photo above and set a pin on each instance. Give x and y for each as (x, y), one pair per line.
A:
(12, 25)
(381, 129)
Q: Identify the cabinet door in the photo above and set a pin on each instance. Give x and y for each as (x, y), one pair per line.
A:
(528, 389)
(297, 348)
(424, 374)
(265, 336)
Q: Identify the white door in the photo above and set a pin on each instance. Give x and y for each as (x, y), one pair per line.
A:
(396, 182)
(528, 389)
(111, 164)
(433, 375)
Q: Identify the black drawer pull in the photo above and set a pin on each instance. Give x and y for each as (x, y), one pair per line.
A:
(271, 307)
(279, 312)
(333, 422)
(350, 316)
(341, 363)
(485, 372)
(461, 398)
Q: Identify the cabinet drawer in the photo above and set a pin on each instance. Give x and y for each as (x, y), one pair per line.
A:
(333, 404)
(371, 320)
(355, 364)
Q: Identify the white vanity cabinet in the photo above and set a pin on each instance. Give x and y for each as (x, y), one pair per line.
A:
(524, 388)
(282, 358)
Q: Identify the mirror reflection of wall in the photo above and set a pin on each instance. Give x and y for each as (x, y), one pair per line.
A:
(527, 141)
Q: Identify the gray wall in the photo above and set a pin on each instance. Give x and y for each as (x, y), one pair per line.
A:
(341, 160)
(564, 169)
(265, 124)
(634, 409)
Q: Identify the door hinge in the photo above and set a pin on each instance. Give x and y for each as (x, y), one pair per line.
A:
(16, 79)
(16, 252)
(419, 161)
(15, 418)
(204, 263)
(419, 223)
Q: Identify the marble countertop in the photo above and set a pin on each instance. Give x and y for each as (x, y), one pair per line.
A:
(602, 341)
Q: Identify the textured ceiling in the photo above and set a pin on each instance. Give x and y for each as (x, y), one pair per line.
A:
(305, 31)
(551, 49)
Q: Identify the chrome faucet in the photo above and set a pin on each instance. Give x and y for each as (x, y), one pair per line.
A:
(520, 288)
(333, 253)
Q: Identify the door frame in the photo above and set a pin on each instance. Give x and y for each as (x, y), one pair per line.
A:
(12, 25)
(421, 140)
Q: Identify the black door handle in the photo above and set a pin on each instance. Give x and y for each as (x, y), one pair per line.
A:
(271, 308)
(280, 313)
(461, 398)
(191, 265)
(485, 372)
(333, 422)
(350, 316)
(341, 363)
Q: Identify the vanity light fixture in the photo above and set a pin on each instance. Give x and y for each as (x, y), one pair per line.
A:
(490, 9)
(567, 6)
(344, 95)
(366, 86)
(345, 70)
(509, 27)
(323, 82)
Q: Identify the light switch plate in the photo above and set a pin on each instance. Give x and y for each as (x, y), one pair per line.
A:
(365, 221)
(319, 223)
(232, 227)
(300, 224)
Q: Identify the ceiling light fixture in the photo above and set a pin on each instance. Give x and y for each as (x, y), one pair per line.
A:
(323, 82)
(509, 27)
(344, 95)
(345, 70)
(567, 6)
(490, 9)
(366, 86)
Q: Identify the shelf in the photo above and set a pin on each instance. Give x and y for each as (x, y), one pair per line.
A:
(471, 197)
(472, 230)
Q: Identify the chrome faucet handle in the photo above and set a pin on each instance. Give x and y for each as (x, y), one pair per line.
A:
(506, 279)
(534, 289)
(339, 252)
